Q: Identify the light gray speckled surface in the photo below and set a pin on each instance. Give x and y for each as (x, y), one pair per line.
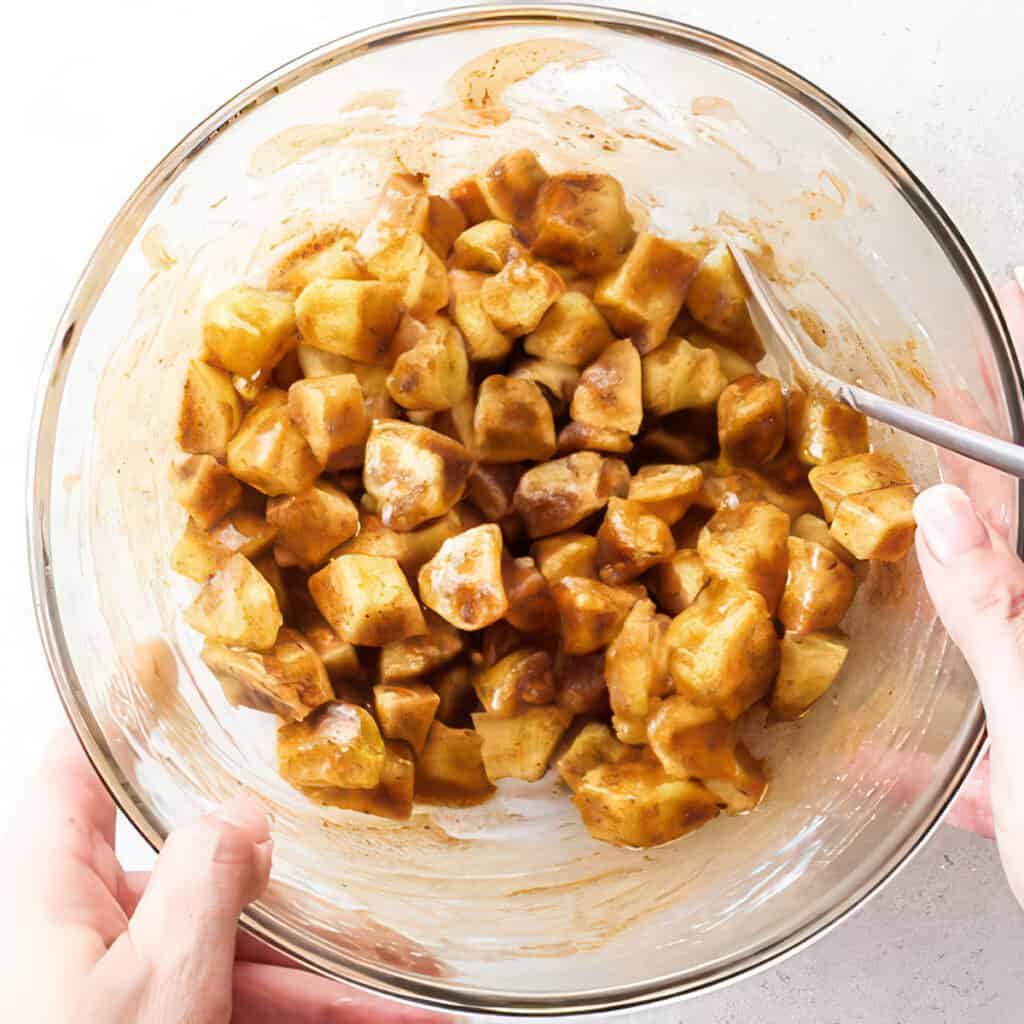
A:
(944, 942)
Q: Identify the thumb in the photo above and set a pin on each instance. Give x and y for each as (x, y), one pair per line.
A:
(976, 582)
(175, 962)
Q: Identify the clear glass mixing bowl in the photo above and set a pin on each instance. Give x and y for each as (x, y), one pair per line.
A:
(511, 907)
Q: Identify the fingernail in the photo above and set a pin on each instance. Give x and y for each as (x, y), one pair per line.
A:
(948, 523)
(264, 855)
(1018, 273)
(247, 813)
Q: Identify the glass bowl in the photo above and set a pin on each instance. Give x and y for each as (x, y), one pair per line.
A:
(510, 907)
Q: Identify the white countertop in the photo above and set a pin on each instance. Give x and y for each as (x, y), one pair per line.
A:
(104, 88)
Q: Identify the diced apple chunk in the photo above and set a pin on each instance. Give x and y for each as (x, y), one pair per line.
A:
(632, 729)
(666, 491)
(821, 431)
(289, 680)
(748, 545)
(338, 745)
(351, 318)
(726, 490)
(810, 663)
(718, 299)
(271, 572)
(555, 496)
(636, 662)
(593, 745)
(581, 219)
(468, 196)
(484, 341)
(237, 607)
(568, 554)
(339, 657)
(377, 403)
(330, 413)
(518, 296)
(507, 192)
(520, 746)
(445, 222)
(402, 206)
(731, 363)
(315, 363)
(591, 612)
(450, 769)
(581, 684)
(414, 473)
(723, 649)
(819, 588)
(204, 489)
(405, 711)
(637, 804)
(367, 600)
(642, 298)
(573, 332)
(743, 787)
(677, 375)
(518, 679)
(210, 411)
(692, 741)
(434, 374)
(815, 529)
(856, 474)
(417, 655)
(412, 548)
(557, 380)
(269, 452)
(328, 253)
(877, 524)
(486, 247)
(248, 330)
(511, 185)
(463, 581)
(677, 582)
(313, 523)
(531, 607)
(751, 420)
(512, 421)
(411, 263)
(578, 437)
(630, 541)
(610, 392)
(392, 797)
(199, 553)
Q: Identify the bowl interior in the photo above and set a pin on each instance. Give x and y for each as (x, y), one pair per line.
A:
(511, 906)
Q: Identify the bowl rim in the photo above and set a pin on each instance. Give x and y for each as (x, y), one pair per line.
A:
(122, 231)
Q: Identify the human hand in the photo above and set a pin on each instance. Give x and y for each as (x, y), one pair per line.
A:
(91, 944)
(976, 582)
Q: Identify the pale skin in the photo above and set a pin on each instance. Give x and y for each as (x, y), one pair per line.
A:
(976, 582)
(95, 945)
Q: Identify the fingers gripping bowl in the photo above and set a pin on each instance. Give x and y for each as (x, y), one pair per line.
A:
(510, 906)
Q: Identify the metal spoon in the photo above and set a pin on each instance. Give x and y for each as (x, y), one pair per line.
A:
(788, 343)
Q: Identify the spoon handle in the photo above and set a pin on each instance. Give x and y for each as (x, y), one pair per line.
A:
(785, 341)
(971, 443)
